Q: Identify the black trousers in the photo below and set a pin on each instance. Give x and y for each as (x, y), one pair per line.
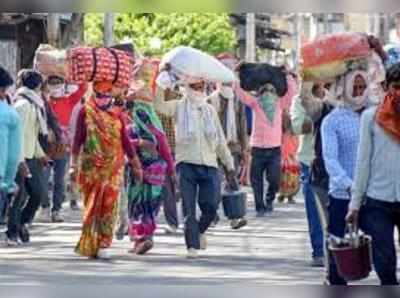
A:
(25, 204)
(266, 161)
(379, 221)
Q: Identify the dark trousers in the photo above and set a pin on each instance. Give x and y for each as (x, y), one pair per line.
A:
(3, 206)
(59, 169)
(266, 161)
(198, 183)
(337, 211)
(27, 201)
(169, 200)
(379, 221)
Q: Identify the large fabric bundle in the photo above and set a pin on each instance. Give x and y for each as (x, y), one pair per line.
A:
(87, 64)
(253, 76)
(50, 61)
(332, 55)
(191, 65)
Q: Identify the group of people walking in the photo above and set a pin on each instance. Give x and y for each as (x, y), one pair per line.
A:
(126, 156)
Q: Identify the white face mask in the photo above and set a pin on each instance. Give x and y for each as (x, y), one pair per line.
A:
(57, 91)
(194, 95)
(71, 88)
(375, 94)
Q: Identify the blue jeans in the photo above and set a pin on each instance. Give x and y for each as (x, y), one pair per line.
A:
(198, 183)
(60, 168)
(379, 221)
(314, 224)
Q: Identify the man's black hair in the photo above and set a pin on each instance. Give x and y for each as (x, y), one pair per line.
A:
(393, 74)
(5, 78)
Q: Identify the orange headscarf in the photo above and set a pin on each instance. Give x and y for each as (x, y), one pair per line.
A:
(388, 118)
(103, 86)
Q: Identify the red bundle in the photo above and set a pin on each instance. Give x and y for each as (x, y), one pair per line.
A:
(87, 64)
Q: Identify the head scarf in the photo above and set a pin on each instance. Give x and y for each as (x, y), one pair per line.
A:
(387, 117)
(343, 90)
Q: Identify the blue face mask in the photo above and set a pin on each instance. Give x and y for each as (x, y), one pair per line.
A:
(268, 103)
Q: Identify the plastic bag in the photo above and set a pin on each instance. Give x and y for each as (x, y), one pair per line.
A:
(191, 65)
(51, 61)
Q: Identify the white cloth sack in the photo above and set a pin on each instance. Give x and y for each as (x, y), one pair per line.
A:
(192, 65)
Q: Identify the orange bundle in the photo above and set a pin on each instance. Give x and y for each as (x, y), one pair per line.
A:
(87, 64)
(332, 55)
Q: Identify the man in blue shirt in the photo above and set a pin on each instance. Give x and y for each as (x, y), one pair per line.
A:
(10, 145)
(340, 138)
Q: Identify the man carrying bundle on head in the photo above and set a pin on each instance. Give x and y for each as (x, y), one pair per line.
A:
(274, 90)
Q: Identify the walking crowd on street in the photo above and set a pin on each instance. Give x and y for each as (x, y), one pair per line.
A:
(127, 136)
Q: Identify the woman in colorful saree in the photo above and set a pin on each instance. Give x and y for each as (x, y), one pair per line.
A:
(101, 142)
(155, 156)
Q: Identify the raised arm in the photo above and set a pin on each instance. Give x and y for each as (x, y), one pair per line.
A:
(162, 106)
(245, 97)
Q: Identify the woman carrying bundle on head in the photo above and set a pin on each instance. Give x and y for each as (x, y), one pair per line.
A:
(101, 142)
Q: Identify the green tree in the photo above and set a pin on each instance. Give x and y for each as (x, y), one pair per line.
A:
(210, 32)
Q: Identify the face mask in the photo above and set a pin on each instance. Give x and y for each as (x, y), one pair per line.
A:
(194, 95)
(357, 103)
(103, 101)
(375, 94)
(396, 104)
(57, 91)
(268, 103)
(71, 88)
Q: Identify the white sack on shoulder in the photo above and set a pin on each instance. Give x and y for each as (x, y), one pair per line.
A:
(194, 63)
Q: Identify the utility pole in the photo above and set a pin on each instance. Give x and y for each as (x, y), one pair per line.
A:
(53, 29)
(108, 37)
(250, 37)
(299, 31)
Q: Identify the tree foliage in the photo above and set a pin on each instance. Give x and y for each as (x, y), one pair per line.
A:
(210, 32)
